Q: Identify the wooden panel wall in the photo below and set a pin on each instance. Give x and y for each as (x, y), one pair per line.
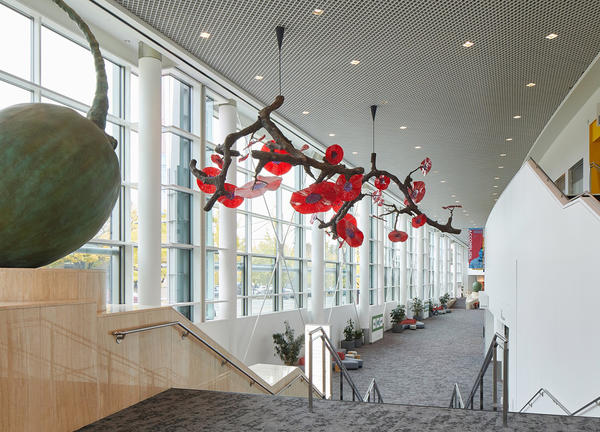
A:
(61, 369)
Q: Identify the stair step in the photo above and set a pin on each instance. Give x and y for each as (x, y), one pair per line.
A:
(181, 409)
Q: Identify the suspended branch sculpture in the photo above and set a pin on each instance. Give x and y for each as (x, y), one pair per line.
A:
(278, 155)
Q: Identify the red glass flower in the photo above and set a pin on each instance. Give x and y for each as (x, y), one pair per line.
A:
(419, 221)
(318, 197)
(349, 232)
(426, 166)
(211, 172)
(336, 206)
(382, 182)
(334, 154)
(217, 160)
(350, 219)
(398, 236)
(348, 189)
(230, 199)
(255, 189)
(277, 168)
(416, 192)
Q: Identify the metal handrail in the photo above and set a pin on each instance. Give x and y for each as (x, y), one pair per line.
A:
(594, 165)
(344, 372)
(456, 401)
(542, 392)
(583, 408)
(491, 357)
(373, 390)
(120, 335)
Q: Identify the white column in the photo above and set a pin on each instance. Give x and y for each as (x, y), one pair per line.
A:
(436, 266)
(455, 268)
(420, 281)
(149, 238)
(317, 272)
(228, 223)
(364, 224)
(444, 265)
(380, 259)
(402, 221)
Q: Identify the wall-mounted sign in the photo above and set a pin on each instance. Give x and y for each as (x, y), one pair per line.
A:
(377, 322)
(476, 248)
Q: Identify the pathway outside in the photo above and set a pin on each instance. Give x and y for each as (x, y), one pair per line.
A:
(420, 367)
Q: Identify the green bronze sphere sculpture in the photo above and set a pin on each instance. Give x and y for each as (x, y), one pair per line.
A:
(59, 174)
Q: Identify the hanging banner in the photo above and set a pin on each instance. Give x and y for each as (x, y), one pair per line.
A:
(476, 250)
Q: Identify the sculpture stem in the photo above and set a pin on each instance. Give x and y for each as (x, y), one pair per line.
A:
(99, 108)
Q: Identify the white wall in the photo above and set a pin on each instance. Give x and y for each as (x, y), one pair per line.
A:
(541, 278)
(235, 335)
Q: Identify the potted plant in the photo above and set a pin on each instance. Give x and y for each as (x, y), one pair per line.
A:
(430, 307)
(444, 300)
(348, 341)
(286, 346)
(397, 315)
(358, 338)
(417, 308)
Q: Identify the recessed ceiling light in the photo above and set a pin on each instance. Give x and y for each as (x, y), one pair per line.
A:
(531, 84)
(354, 153)
(496, 178)
(355, 62)
(502, 154)
(258, 77)
(331, 134)
(468, 44)
(457, 201)
(495, 186)
(305, 112)
(517, 116)
(453, 196)
(500, 167)
(466, 214)
(417, 147)
(204, 35)
(435, 172)
(552, 36)
(442, 181)
(495, 193)
(318, 12)
(508, 139)
(403, 127)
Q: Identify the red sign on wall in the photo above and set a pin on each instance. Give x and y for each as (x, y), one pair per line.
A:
(476, 248)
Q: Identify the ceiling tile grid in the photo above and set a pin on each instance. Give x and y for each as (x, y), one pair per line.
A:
(458, 103)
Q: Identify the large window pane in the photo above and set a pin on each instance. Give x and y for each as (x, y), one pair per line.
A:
(262, 284)
(263, 238)
(12, 95)
(175, 216)
(175, 160)
(68, 69)
(176, 103)
(15, 44)
(330, 284)
(291, 284)
(96, 257)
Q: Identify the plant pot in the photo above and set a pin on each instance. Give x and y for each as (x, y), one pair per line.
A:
(418, 316)
(348, 344)
(397, 328)
(358, 343)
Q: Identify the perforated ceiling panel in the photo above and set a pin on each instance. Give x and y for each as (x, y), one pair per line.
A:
(457, 103)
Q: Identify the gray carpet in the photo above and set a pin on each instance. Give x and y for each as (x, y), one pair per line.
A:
(420, 367)
(197, 410)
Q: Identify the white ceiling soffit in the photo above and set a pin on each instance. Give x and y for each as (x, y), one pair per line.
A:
(457, 103)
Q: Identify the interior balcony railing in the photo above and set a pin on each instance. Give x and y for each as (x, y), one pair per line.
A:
(371, 395)
(543, 392)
